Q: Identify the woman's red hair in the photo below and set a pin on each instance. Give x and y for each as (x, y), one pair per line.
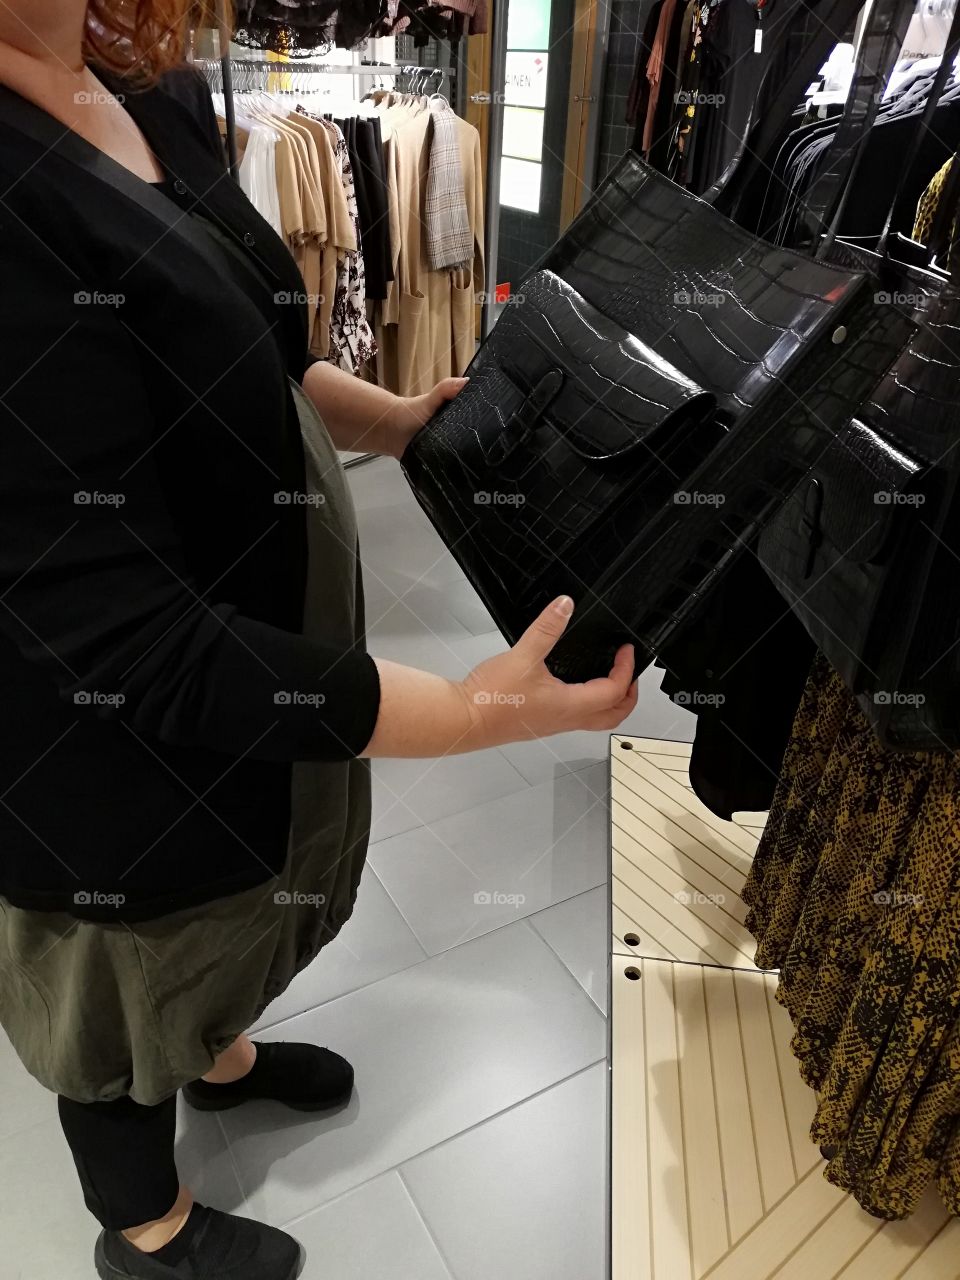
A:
(144, 38)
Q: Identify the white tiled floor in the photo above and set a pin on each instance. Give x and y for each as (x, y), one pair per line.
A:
(474, 1146)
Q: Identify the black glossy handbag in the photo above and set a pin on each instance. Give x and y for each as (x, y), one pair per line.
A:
(867, 551)
(658, 387)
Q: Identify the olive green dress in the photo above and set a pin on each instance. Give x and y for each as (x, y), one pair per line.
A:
(96, 1011)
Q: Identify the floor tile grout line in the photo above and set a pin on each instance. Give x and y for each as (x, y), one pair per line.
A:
(453, 1137)
(566, 968)
(449, 951)
(421, 1215)
(460, 813)
(234, 1163)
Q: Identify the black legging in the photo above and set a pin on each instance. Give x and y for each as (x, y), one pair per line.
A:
(124, 1153)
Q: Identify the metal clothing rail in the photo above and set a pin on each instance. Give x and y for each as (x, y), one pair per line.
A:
(227, 66)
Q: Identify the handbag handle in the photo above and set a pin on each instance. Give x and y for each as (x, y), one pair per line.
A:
(919, 132)
(950, 54)
(877, 53)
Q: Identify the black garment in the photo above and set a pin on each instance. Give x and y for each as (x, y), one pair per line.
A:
(189, 87)
(124, 1154)
(364, 141)
(152, 672)
(741, 663)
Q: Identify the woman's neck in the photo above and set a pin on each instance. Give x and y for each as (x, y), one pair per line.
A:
(45, 37)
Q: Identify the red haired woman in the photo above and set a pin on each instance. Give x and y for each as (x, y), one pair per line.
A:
(188, 705)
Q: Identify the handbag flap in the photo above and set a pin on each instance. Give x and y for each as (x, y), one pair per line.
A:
(866, 483)
(599, 386)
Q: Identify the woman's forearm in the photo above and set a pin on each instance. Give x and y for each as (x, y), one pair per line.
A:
(358, 415)
(422, 715)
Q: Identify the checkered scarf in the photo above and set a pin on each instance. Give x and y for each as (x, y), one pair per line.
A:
(449, 234)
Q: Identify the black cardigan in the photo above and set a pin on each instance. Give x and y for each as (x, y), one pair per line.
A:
(151, 583)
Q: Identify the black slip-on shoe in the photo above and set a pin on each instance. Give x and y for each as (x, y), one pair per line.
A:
(222, 1247)
(302, 1076)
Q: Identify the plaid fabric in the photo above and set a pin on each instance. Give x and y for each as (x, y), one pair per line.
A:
(448, 230)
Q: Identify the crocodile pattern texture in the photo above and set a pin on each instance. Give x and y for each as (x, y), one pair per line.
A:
(872, 572)
(608, 482)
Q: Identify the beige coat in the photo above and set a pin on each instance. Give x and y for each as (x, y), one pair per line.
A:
(427, 323)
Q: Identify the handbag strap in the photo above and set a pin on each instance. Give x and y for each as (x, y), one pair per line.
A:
(877, 53)
(944, 70)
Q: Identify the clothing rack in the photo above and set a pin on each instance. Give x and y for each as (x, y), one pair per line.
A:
(226, 67)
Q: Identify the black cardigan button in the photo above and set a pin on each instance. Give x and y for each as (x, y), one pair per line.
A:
(180, 187)
(249, 239)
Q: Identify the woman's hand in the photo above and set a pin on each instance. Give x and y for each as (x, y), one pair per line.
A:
(413, 412)
(508, 698)
(514, 696)
(363, 417)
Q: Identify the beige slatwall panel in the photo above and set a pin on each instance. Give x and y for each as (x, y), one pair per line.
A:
(631, 1238)
(715, 1177)
(677, 869)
